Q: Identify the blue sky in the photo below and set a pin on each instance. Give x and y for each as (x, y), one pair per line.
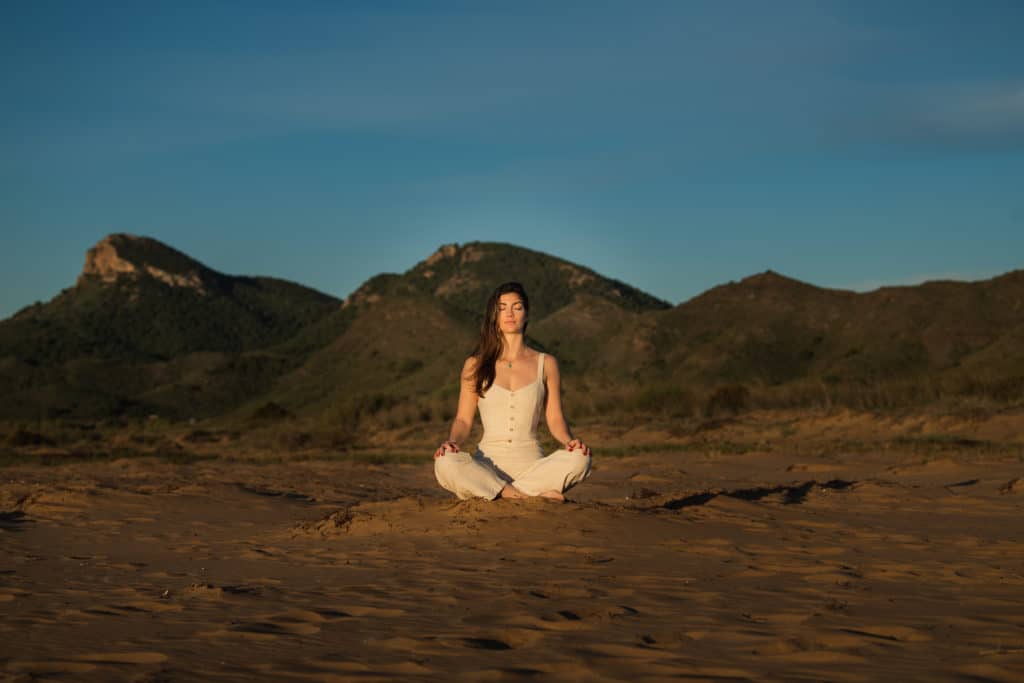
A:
(671, 145)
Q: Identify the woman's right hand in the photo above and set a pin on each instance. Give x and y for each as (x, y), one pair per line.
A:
(448, 446)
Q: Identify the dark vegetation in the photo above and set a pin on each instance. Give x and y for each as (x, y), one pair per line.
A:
(300, 369)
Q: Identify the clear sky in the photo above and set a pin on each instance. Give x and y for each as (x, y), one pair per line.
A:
(673, 145)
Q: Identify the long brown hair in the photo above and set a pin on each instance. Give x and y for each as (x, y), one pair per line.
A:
(491, 342)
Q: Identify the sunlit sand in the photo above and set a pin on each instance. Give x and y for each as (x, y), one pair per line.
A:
(807, 557)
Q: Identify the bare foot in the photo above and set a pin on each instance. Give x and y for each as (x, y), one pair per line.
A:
(553, 495)
(511, 491)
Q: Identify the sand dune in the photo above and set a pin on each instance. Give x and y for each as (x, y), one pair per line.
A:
(762, 566)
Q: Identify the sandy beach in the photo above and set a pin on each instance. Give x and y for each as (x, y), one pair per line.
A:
(795, 561)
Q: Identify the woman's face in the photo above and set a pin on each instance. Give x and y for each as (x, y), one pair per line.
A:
(511, 313)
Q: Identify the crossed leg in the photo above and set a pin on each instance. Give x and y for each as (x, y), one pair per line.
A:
(549, 477)
(553, 475)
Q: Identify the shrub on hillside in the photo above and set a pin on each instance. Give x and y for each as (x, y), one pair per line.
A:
(271, 412)
(23, 437)
(727, 400)
(665, 401)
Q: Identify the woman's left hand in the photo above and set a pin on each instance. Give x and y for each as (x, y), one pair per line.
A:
(577, 444)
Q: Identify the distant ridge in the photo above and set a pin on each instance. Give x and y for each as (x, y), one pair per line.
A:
(148, 329)
(770, 330)
(137, 297)
(135, 327)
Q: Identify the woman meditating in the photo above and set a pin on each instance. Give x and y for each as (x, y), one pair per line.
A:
(512, 385)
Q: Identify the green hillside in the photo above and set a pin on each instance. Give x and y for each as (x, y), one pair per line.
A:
(409, 334)
(146, 329)
(789, 341)
(167, 335)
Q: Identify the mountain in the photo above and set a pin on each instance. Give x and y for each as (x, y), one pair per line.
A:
(147, 329)
(140, 299)
(145, 322)
(410, 332)
(895, 344)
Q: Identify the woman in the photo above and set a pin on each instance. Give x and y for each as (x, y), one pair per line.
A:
(512, 385)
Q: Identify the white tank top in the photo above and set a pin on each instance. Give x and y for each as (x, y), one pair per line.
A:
(510, 421)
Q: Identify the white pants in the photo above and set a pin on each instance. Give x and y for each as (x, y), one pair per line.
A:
(469, 476)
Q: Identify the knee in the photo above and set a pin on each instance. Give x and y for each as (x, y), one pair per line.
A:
(445, 462)
(448, 465)
(575, 462)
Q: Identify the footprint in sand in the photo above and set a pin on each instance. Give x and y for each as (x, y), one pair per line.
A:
(486, 644)
(134, 606)
(367, 611)
(525, 628)
(642, 650)
(271, 629)
(208, 591)
(296, 622)
(902, 634)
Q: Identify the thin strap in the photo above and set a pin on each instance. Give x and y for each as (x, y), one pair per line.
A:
(540, 368)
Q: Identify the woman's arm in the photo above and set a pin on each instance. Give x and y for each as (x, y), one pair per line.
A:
(464, 414)
(553, 414)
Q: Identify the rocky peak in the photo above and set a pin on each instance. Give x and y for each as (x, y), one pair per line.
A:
(445, 251)
(120, 255)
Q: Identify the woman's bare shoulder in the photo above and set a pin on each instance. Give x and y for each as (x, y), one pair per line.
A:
(550, 363)
(469, 366)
